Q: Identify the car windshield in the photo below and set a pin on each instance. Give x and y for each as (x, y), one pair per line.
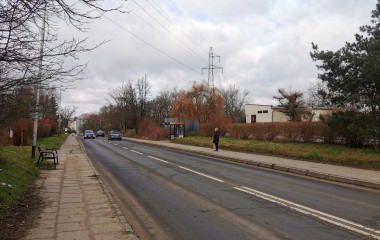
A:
(88, 131)
(115, 132)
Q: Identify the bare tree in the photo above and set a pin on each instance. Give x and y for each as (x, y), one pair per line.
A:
(30, 52)
(318, 95)
(234, 100)
(143, 90)
(19, 99)
(111, 117)
(16, 104)
(23, 50)
(131, 100)
(66, 114)
(160, 106)
(294, 107)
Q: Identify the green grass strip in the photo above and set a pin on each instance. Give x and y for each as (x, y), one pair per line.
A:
(366, 158)
(18, 171)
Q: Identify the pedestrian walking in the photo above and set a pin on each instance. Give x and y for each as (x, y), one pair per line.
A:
(216, 138)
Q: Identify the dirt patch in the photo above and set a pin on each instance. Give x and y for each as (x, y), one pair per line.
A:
(16, 221)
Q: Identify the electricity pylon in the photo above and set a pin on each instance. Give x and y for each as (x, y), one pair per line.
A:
(211, 67)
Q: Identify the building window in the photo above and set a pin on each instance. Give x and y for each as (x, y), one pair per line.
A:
(259, 111)
(265, 111)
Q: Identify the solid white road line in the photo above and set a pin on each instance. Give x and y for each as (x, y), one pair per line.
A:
(158, 159)
(373, 233)
(136, 152)
(204, 175)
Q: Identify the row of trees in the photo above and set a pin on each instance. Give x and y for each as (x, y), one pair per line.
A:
(131, 103)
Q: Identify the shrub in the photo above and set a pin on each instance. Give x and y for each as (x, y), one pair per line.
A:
(280, 132)
(149, 129)
(355, 129)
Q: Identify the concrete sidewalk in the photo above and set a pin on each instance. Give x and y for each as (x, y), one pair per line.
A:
(355, 176)
(77, 204)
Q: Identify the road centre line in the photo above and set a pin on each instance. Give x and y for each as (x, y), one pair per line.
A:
(136, 152)
(204, 175)
(158, 159)
(188, 169)
(351, 226)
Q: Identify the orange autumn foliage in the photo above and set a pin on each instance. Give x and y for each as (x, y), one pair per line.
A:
(199, 103)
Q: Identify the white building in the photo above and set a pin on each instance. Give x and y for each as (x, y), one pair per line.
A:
(268, 113)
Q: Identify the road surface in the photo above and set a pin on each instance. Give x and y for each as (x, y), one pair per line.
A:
(167, 194)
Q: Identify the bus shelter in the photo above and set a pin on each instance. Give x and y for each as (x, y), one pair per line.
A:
(177, 130)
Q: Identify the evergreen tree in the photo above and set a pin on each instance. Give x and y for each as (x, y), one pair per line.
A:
(352, 74)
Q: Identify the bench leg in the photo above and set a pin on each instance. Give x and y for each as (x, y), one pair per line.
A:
(38, 161)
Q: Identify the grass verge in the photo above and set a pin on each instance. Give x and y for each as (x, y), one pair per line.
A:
(18, 171)
(366, 158)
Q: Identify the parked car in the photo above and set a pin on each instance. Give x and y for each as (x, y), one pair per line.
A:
(100, 133)
(114, 134)
(89, 134)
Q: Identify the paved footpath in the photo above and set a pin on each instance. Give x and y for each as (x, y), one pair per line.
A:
(77, 204)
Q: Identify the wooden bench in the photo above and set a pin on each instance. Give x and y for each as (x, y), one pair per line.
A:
(45, 154)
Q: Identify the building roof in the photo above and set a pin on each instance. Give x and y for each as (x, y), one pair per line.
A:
(87, 116)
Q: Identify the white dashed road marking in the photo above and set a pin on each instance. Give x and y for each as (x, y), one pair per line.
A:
(158, 159)
(136, 152)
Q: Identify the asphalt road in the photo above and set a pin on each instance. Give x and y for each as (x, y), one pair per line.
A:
(168, 194)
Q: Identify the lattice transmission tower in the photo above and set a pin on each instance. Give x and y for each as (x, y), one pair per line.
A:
(211, 67)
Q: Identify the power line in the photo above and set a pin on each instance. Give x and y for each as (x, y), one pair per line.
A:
(180, 28)
(150, 25)
(184, 44)
(151, 45)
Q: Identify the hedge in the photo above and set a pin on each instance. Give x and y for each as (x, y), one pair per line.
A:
(280, 132)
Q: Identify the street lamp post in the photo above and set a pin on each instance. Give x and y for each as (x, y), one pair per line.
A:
(37, 110)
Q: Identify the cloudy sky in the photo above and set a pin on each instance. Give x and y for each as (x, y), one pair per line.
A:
(263, 45)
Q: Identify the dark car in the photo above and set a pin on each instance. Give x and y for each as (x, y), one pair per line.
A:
(114, 134)
(100, 133)
(89, 134)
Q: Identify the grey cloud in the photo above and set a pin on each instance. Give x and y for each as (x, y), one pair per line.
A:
(264, 45)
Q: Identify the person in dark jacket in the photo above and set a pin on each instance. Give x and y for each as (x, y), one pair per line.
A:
(216, 138)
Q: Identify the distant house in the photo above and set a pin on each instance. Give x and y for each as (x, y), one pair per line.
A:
(256, 113)
(78, 122)
(72, 124)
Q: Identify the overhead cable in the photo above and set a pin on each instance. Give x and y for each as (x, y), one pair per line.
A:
(184, 44)
(151, 45)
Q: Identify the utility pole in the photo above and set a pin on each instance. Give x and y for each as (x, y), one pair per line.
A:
(37, 110)
(210, 68)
